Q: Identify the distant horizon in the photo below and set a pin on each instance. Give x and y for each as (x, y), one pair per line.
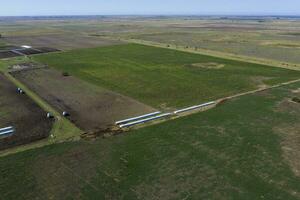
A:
(145, 7)
(157, 15)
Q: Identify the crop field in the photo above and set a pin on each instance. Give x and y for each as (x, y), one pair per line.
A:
(163, 78)
(247, 148)
(23, 114)
(91, 108)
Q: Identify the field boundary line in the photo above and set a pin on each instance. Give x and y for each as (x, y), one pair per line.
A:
(207, 52)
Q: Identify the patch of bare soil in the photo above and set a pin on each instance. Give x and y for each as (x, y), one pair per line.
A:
(296, 91)
(25, 66)
(209, 65)
(90, 107)
(259, 81)
(19, 111)
(291, 145)
(287, 105)
(290, 134)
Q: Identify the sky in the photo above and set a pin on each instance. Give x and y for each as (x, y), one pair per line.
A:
(148, 7)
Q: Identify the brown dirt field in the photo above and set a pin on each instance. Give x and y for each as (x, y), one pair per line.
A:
(91, 108)
(20, 111)
(62, 42)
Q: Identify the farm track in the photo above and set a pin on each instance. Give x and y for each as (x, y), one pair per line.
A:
(272, 63)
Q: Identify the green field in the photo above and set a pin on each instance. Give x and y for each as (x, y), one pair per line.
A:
(164, 78)
(239, 150)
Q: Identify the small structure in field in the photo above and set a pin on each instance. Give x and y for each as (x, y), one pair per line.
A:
(6, 132)
(26, 47)
(50, 116)
(145, 120)
(137, 118)
(20, 91)
(65, 114)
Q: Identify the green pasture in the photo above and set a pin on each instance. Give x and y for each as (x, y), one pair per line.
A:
(235, 151)
(164, 78)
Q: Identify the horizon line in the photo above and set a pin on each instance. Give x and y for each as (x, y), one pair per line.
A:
(150, 15)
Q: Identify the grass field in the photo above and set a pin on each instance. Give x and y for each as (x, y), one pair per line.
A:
(164, 78)
(247, 148)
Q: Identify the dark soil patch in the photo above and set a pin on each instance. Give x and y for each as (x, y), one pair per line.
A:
(296, 99)
(19, 111)
(91, 108)
(31, 51)
(8, 54)
(61, 41)
(40, 50)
